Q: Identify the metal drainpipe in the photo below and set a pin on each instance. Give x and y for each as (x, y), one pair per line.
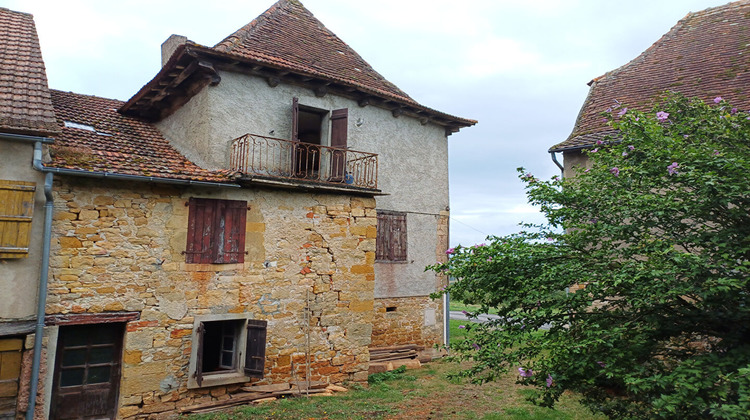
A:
(48, 210)
(446, 320)
(42, 298)
(554, 159)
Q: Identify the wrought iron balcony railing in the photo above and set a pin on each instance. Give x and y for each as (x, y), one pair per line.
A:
(277, 158)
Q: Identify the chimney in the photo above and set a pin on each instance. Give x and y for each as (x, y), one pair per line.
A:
(170, 45)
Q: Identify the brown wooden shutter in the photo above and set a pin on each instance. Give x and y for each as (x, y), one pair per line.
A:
(233, 249)
(295, 119)
(339, 128)
(199, 354)
(216, 231)
(255, 348)
(390, 242)
(16, 213)
(201, 221)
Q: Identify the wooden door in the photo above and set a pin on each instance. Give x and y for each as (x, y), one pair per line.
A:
(87, 372)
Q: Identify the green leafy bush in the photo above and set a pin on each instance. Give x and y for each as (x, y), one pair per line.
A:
(657, 229)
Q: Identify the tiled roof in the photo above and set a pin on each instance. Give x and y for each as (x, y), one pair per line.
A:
(103, 140)
(288, 35)
(705, 55)
(25, 105)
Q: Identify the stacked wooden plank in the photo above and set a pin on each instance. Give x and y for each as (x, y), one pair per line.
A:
(384, 359)
(256, 394)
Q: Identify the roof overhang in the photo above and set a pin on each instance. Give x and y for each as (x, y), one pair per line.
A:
(192, 67)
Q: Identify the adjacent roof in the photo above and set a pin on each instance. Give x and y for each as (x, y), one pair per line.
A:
(97, 138)
(705, 55)
(25, 105)
(285, 43)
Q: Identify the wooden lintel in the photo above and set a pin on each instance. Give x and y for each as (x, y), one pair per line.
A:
(100, 318)
(16, 327)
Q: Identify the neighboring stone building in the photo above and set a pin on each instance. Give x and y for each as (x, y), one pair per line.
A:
(704, 55)
(261, 211)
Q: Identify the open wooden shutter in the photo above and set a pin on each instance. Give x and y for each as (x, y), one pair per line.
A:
(199, 355)
(255, 348)
(233, 232)
(16, 213)
(294, 138)
(339, 129)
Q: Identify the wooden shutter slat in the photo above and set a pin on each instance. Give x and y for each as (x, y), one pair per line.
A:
(16, 214)
(255, 348)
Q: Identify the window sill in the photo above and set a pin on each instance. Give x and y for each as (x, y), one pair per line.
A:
(212, 267)
(216, 379)
(391, 262)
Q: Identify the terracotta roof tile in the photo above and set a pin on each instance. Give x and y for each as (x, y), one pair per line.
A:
(706, 54)
(288, 35)
(103, 140)
(25, 105)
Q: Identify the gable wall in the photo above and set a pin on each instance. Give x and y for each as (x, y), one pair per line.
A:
(412, 168)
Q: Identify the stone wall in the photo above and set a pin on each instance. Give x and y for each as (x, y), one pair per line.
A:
(118, 247)
(408, 320)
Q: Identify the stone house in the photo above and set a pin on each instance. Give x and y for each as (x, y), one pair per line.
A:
(261, 211)
(704, 55)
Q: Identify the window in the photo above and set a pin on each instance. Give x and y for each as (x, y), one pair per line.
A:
(216, 231)
(391, 237)
(16, 211)
(228, 351)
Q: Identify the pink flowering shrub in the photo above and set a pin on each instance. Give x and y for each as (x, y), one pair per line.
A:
(658, 231)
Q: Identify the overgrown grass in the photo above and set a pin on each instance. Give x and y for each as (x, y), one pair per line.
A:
(416, 394)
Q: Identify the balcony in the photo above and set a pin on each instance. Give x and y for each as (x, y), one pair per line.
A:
(261, 157)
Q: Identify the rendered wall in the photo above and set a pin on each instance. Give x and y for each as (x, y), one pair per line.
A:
(117, 247)
(19, 278)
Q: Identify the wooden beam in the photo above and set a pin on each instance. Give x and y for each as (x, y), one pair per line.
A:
(364, 102)
(321, 91)
(100, 318)
(16, 327)
(396, 112)
(273, 81)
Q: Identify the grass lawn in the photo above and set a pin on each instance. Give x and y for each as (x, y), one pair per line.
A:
(460, 306)
(417, 394)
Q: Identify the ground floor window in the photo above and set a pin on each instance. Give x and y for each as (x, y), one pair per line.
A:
(228, 350)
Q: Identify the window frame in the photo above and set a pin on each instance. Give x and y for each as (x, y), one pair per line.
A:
(216, 231)
(249, 354)
(391, 232)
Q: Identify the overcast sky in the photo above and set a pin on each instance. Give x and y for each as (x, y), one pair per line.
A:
(520, 67)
